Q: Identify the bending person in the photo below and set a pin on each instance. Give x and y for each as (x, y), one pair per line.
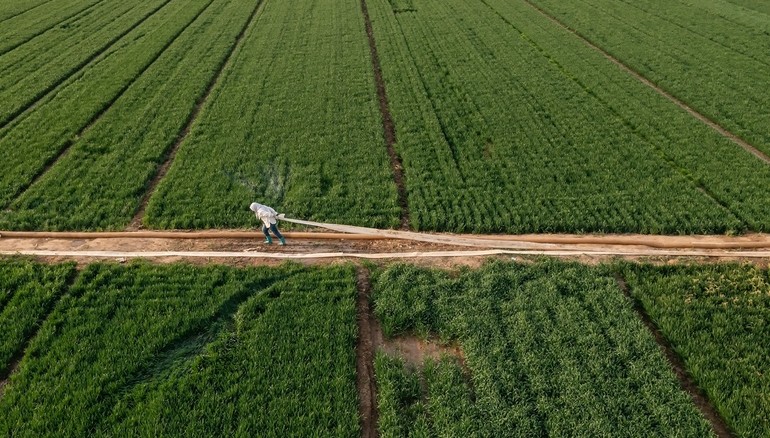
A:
(268, 217)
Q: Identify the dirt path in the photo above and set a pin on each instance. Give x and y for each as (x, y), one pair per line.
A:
(686, 381)
(367, 387)
(136, 222)
(638, 76)
(388, 126)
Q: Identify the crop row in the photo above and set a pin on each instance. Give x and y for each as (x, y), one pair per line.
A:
(714, 55)
(718, 319)
(505, 122)
(294, 124)
(27, 292)
(100, 182)
(18, 29)
(33, 69)
(54, 123)
(181, 350)
(13, 8)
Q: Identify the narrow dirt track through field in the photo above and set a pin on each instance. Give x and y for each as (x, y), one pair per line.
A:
(367, 388)
(136, 222)
(95, 119)
(25, 11)
(701, 401)
(638, 76)
(388, 127)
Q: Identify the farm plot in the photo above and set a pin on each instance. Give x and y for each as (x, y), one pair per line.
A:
(27, 292)
(101, 180)
(56, 121)
(295, 124)
(717, 318)
(551, 349)
(35, 68)
(712, 54)
(180, 350)
(506, 122)
(22, 25)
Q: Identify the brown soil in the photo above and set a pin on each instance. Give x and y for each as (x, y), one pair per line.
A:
(710, 123)
(367, 388)
(686, 381)
(136, 222)
(388, 126)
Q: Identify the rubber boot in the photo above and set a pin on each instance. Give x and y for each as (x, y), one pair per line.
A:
(268, 240)
(283, 241)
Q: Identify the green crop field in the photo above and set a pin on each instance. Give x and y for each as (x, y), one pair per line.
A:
(504, 119)
(170, 350)
(549, 349)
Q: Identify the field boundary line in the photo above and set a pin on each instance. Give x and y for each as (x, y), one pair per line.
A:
(35, 100)
(170, 155)
(561, 252)
(15, 362)
(638, 76)
(365, 345)
(388, 126)
(41, 32)
(677, 365)
(66, 148)
(25, 11)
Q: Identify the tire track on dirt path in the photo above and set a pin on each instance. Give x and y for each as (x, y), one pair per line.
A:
(162, 170)
(15, 362)
(701, 401)
(37, 98)
(638, 76)
(365, 344)
(388, 127)
(66, 148)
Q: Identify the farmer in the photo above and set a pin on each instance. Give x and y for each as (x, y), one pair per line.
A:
(268, 217)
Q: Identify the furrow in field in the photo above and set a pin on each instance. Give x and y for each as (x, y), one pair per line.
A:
(23, 90)
(677, 365)
(365, 382)
(387, 121)
(295, 125)
(168, 159)
(23, 28)
(86, 98)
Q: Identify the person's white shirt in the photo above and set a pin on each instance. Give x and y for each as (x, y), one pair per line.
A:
(264, 213)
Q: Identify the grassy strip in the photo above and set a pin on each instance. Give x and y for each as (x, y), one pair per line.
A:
(170, 350)
(33, 69)
(553, 348)
(24, 27)
(524, 138)
(130, 140)
(295, 125)
(717, 318)
(54, 123)
(28, 291)
(665, 40)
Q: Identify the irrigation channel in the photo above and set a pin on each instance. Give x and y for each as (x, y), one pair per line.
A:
(368, 243)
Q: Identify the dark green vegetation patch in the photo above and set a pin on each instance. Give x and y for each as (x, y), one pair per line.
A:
(182, 350)
(552, 349)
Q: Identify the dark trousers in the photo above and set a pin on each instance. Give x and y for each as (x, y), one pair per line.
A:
(272, 228)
